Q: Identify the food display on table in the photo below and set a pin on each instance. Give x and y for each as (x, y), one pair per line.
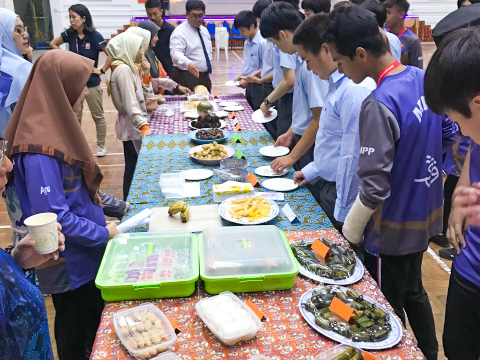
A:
(370, 326)
(182, 208)
(191, 105)
(201, 90)
(204, 107)
(207, 121)
(249, 208)
(149, 265)
(210, 134)
(211, 151)
(246, 259)
(144, 330)
(228, 318)
(341, 352)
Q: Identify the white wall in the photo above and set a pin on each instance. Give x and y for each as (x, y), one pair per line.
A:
(432, 11)
(111, 15)
(7, 4)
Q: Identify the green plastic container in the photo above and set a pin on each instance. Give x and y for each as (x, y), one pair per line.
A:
(246, 259)
(139, 266)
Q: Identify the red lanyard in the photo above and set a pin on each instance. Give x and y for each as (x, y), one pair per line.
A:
(385, 71)
(401, 32)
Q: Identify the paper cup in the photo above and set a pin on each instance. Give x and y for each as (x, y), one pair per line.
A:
(43, 229)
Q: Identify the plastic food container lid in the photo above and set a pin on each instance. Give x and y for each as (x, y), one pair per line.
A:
(245, 250)
(209, 321)
(149, 258)
(131, 324)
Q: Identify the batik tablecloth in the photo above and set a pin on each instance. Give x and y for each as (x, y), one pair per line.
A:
(285, 335)
(178, 124)
(169, 153)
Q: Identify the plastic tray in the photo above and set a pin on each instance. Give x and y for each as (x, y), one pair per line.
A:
(139, 266)
(246, 259)
(126, 326)
(232, 340)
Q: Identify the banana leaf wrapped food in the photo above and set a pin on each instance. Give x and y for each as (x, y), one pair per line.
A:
(368, 323)
(339, 263)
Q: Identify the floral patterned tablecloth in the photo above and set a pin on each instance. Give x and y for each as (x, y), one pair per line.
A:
(285, 335)
(178, 124)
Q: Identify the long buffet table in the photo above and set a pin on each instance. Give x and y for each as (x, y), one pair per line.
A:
(285, 334)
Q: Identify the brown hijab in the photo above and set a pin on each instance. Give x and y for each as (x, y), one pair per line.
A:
(44, 122)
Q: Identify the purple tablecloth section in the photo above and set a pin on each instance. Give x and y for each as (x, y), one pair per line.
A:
(178, 124)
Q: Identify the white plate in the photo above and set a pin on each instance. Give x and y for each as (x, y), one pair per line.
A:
(268, 172)
(232, 83)
(191, 115)
(225, 214)
(197, 174)
(258, 116)
(223, 124)
(222, 114)
(274, 151)
(234, 108)
(357, 274)
(279, 184)
(393, 338)
(228, 103)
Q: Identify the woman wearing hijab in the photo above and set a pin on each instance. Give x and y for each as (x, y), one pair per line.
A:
(14, 69)
(55, 171)
(159, 75)
(83, 39)
(127, 96)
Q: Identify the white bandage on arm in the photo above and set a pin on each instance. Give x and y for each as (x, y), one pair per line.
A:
(356, 221)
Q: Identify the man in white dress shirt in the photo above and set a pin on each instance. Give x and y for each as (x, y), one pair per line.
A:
(191, 49)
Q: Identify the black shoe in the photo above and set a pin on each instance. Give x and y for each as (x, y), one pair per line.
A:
(448, 254)
(440, 240)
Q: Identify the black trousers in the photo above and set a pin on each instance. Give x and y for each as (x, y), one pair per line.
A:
(77, 316)
(461, 334)
(284, 118)
(400, 279)
(184, 78)
(254, 94)
(325, 192)
(448, 189)
(271, 126)
(130, 152)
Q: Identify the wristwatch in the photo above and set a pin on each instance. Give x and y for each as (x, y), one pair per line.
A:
(266, 101)
(101, 70)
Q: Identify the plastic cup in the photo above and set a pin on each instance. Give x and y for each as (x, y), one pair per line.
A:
(43, 229)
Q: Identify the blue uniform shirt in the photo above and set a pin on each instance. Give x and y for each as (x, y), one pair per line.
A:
(90, 46)
(281, 60)
(267, 58)
(252, 54)
(395, 45)
(309, 92)
(337, 144)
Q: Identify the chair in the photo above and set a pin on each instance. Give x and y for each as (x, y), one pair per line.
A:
(236, 35)
(221, 41)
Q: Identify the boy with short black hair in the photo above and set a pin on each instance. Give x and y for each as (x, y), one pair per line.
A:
(162, 48)
(452, 85)
(399, 206)
(279, 22)
(333, 170)
(312, 7)
(411, 47)
(246, 23)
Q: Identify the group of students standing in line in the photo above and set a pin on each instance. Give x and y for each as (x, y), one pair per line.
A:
(371, 154)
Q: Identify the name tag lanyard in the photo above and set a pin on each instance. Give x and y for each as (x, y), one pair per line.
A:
(387, 70)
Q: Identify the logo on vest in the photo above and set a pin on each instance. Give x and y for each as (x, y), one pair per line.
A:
(433, 171)
(367, 150)
(420, 109)
(44, 190)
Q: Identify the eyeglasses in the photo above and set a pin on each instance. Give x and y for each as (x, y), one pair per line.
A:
(197, 17)
(21, 30)
(3, 147)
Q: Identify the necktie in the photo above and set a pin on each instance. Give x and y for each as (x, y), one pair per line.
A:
(209, 64)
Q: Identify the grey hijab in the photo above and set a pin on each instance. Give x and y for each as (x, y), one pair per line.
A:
(150, 55)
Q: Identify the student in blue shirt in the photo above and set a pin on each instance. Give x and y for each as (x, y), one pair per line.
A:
(83, 39)
(452, 85)
(337, 144)
(283, 72)
(399, 206)
(246, 23)
(309, 90)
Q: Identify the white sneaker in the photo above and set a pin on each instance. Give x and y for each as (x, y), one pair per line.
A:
(101, 151)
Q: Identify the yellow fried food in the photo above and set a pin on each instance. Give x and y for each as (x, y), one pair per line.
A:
(250, 208)
(201, 89)
(213, 151)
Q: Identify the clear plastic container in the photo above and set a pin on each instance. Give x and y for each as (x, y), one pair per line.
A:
(149, 265)
(172, 184)
(246, 259)
(144, 330)
(229, 164)
(167, 356)
(331, 353)
(210, 316)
